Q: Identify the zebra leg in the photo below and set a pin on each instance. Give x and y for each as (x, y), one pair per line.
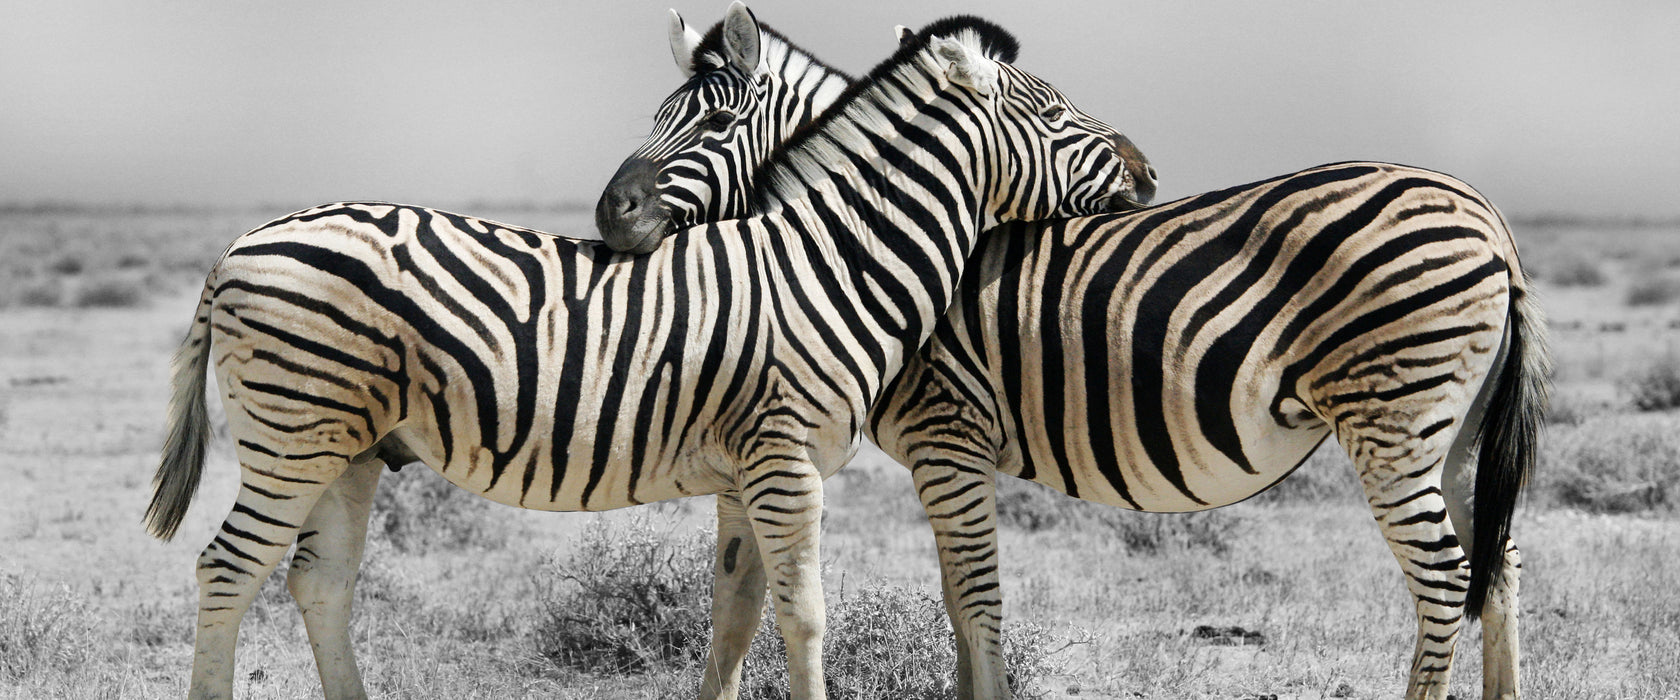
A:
(959, 494)
(737, 599)
(784, 499)
(1405, 496)
(322, 578)
(273, 499)
(1499, 631)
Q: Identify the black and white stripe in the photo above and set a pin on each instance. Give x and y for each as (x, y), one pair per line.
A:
(748, 90)
(545, 372)
(1191, 355)
(954, 395)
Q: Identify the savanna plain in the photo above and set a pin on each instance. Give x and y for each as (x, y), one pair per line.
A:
(1289, 595)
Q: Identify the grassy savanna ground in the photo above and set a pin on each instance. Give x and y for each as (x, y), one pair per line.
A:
(462, 598)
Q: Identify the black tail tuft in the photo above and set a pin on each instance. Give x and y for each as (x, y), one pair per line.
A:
(1509, 437)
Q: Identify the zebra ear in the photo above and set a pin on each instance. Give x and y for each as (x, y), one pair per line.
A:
(740, 37)
(904, 34)
(684, 41)
(965, 66)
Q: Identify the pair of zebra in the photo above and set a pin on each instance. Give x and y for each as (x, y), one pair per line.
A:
(1178, 358)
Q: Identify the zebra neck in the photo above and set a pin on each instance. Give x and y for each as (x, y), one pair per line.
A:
(898, 128)
(807, 88)
(889, 274)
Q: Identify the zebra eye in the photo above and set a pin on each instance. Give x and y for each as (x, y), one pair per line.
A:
(1053, 112)
(720, 120)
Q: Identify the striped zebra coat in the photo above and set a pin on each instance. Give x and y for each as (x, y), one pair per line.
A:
(1116, 359)
(1193, 354)
(551, 373)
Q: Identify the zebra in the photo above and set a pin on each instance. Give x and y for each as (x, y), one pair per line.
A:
(553, 373)
(1193, 354)
(696, 165)
(971, 404)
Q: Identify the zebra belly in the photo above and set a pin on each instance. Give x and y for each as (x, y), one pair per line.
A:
(1195, 476)
(473, 470)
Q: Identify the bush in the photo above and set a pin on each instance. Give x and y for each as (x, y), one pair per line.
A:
(1653, 292)
(41, 631)
(630, 598)
(67, 265)
(416, 510)
(1655, 387)
(886, 641)
(1612, 464)
(1573, 271)
(1327, 476)
(110, 294)
(633, 597)
(1032, 507)
(43, 293)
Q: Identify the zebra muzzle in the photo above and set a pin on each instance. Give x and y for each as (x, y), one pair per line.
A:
(629, 215)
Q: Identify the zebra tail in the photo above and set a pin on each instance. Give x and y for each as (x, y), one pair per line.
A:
(189, 430)
(1509, 436)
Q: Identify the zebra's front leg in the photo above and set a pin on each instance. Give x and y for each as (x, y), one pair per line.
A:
(958, 490)
(784, 501)
(737, 599)
(323, 575)
(274, 499)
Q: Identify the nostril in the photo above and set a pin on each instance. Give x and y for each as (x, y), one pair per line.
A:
(1150, 171)
(628, 206)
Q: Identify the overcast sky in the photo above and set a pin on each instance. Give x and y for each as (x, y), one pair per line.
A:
(1545, 107)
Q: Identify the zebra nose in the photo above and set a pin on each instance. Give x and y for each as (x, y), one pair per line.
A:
(627, 196)
(1137, 165)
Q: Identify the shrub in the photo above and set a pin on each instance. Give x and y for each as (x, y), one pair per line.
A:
(886, 641)
(1612, 464)
(881, 642)
(1566, 408)
(43, 293)
(110, 294)
(418, 511)
(1573, 271)
(1656, 386)
(1160, 533)
(41, 631)
(67, 265)
(1032, 507)
(1653, 292)
(1327, 476)
(631, 597)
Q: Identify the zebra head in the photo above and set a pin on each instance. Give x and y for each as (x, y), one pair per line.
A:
(748, 88)
(1057, 160)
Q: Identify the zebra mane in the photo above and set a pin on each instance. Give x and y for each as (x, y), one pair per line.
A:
(798, 159)
(709, 55)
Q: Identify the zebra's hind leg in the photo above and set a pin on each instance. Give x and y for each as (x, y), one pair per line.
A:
(1499, 631)
(274, 499)
(1402, 481)
(737, 599)
(322, 578)
(958, 490)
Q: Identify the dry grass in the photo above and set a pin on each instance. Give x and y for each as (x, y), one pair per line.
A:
(449, 600)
